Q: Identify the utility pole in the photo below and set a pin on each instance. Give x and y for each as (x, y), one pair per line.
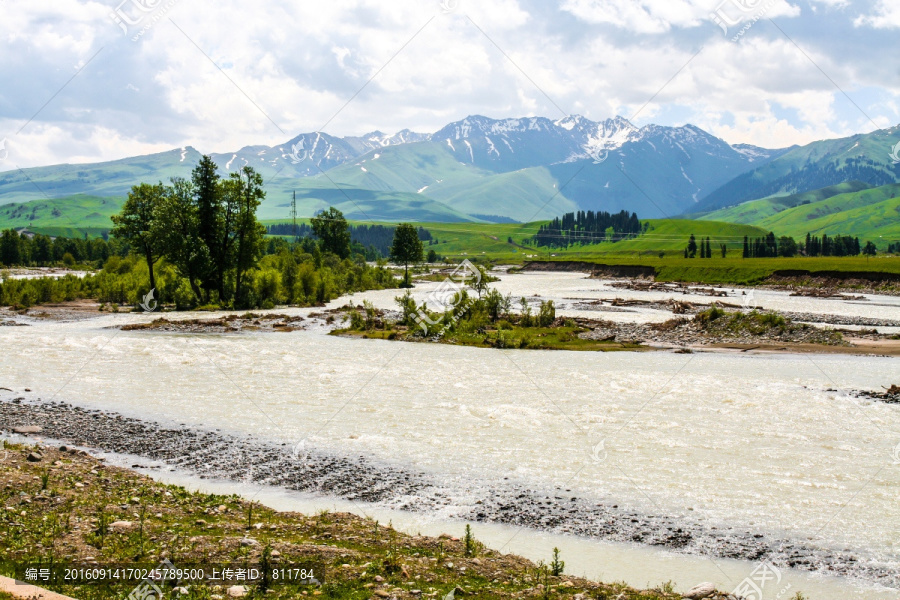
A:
(294, 218)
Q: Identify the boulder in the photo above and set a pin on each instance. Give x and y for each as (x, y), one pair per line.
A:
(699, 592)
(27, 429)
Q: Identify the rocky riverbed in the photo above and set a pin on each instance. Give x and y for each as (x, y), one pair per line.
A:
(360, 478)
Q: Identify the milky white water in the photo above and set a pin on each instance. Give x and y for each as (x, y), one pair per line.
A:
(756, 442)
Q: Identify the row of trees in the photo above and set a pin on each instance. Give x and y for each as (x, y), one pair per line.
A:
(785, 246)
(371, 240)
(841, 245)
(835, 246)
(44, 251)
(705, 248)
(588, 228)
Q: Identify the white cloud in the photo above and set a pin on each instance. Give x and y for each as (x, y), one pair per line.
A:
(885, 15)
(659, 16)
(301, 63)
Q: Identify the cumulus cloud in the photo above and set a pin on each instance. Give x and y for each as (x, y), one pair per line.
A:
(219, 76)
(885, 15)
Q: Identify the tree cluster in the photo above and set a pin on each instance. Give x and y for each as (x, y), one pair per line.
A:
(206, 228)
(44, 251)
(832, 246)
(372, 241)
(588, 228)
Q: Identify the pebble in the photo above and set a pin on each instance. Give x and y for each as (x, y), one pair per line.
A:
(249, 542)
(236, 591)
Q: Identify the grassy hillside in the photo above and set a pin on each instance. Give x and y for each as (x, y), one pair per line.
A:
(757, 210)
(521, 195)
(100, 179)
(863, 157)
(72, 215)
(666, 235)
(430, 171)
(870, 221)
(318, 193)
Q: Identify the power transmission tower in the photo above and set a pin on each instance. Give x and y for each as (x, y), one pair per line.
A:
(294, 218)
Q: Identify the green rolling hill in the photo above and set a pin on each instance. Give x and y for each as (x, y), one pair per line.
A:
(864, 157)
(757, 210)
(67, 216)
(872, 214)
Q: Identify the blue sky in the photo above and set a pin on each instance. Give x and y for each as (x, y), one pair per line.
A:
(81, 87)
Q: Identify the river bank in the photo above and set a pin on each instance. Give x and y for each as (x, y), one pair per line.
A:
(91, 516)
(361, 479)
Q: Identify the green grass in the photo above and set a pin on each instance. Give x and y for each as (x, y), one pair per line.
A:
(867, 215)
(69, 216)
(753, 212)
(461, 240)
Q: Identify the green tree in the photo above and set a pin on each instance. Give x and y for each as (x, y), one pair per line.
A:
(136, 223)
(179, 231)
(692, 247)
(43, 250)
(787, 246)
(331, 227)
(406, 248)
(870, 249)
(249, 233)
(10, 248)
(207, 190)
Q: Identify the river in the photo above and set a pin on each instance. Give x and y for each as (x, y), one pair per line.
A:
(772, 444)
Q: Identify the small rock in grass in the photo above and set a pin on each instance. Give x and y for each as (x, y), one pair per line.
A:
(698, 592)
(121, 525)
(236, 591)
(249, 542)
(35, 457)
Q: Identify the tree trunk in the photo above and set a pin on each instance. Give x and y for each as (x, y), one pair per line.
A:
(149, 256)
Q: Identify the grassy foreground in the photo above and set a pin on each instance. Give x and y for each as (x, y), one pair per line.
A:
(71, 508)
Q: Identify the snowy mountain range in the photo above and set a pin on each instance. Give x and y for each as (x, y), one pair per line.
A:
(475, 168)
